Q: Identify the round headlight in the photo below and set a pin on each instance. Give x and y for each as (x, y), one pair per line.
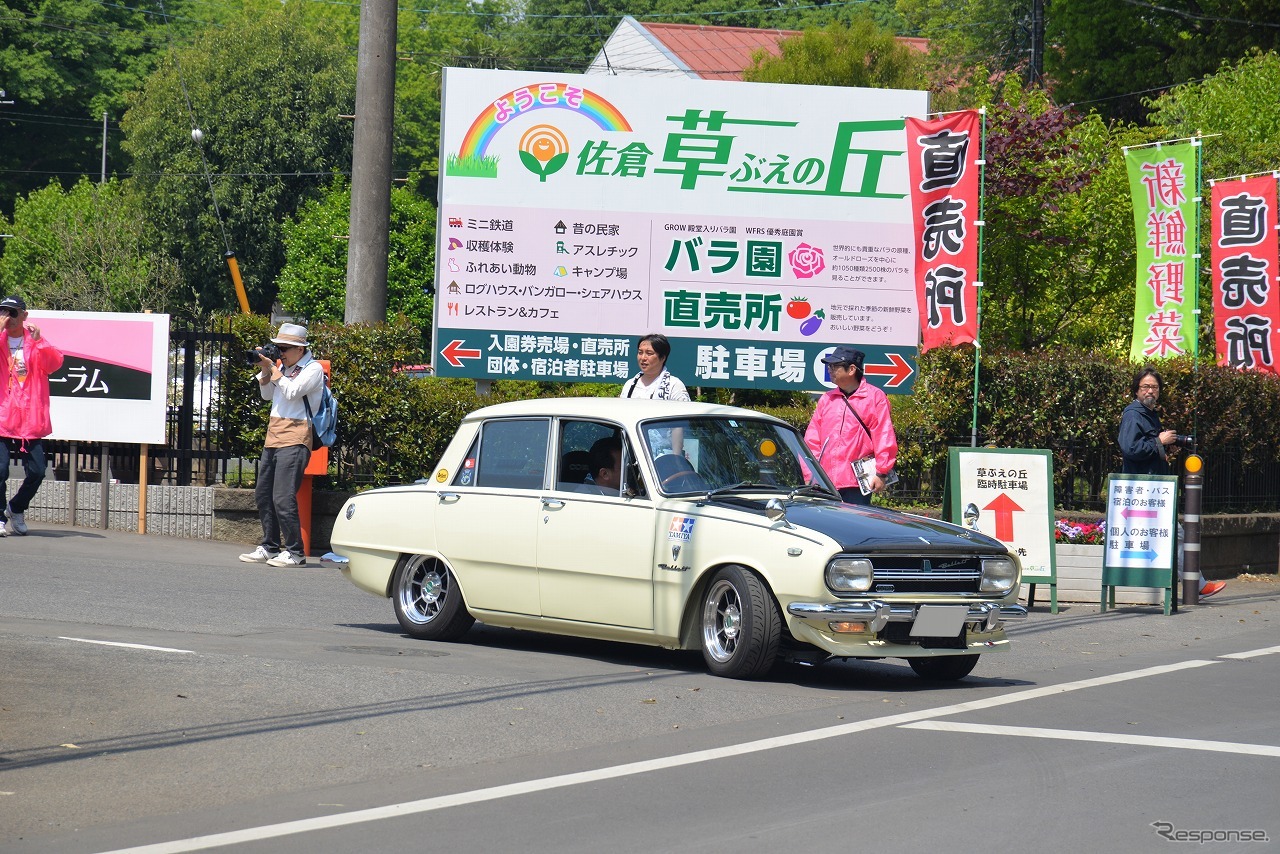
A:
(998, 575)
(849, 575)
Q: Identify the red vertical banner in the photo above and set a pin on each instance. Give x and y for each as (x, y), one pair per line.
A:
(1243, 253)
(943, 156)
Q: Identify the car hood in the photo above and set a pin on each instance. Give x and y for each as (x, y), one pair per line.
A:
(859, 529)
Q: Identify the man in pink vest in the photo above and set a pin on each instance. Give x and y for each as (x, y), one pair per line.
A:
(24, 408)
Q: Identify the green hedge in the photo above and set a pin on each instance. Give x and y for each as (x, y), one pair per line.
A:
(393, 428)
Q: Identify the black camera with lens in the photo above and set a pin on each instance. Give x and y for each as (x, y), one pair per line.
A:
(271, 351)
(1187, 443)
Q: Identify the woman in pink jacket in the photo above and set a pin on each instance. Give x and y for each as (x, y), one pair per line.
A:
(24, 408)
(851, 423)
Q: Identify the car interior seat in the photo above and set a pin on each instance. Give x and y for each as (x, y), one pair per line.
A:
(574, 467)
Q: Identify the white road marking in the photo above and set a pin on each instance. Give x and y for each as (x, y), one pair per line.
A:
(270, 831)
(1101, 737)
(1254, 653)
(130, 645)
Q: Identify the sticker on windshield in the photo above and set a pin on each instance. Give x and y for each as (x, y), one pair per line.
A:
(768, 448)
(681, 529)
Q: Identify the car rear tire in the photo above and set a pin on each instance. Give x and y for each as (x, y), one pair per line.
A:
(946, 668)
(427, 600)
(741, 625)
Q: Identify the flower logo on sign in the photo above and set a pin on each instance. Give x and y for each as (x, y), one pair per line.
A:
(544, 150)
(806, 261)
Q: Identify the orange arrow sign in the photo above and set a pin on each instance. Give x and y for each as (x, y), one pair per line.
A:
(1004, 508)
(454, 354)
(898, 370)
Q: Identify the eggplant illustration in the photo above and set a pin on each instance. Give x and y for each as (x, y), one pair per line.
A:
(812, 323)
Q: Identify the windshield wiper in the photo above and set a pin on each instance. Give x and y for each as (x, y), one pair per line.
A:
(814, 488)
(744, 484)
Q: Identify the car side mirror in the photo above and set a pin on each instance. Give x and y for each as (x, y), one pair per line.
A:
(776, 511)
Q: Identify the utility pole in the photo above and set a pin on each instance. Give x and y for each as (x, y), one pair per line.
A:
(371, 164)
(1035, 68)
(103, 179)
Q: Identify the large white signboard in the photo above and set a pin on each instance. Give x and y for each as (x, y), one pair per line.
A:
(111, 387)
(755, 225)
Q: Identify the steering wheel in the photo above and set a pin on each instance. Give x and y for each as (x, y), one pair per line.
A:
(679, 471)
(673, 481)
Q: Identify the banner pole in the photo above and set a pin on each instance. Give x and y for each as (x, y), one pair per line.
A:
(977, 337)
(1195, 297)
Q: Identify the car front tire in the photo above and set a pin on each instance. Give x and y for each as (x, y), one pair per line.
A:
(947, 668)
(427, 600)
(741, 625)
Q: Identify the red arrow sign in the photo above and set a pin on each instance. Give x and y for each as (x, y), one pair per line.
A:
(898, 370)
(1004, 508)
(454, 354)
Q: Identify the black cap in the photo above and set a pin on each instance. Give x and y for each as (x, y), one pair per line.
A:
(845, 356)
(15, 302)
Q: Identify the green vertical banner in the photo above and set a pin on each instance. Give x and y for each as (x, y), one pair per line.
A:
(1165, 184)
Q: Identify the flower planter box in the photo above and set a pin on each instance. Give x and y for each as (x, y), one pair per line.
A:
(1080, 579)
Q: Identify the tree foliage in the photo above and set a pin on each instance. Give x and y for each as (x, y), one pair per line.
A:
(1238, 106)
(267, 102)
(313, 281)
(1058, 243)
(86, 249)
(63, 63)
(857, 54)
(1111, 54)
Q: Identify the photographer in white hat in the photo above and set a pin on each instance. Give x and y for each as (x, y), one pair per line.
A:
(287, 450)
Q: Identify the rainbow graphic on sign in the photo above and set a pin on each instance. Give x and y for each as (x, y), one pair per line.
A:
(527, 99)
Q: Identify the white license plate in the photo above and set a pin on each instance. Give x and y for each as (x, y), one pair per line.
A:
(939, 621)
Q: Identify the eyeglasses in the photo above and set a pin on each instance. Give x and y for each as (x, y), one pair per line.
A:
(284, 348)
(1150, 386)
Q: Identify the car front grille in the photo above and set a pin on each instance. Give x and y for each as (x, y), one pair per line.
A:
(925, 574)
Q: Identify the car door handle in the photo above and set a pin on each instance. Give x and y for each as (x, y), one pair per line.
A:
(552, 503)
(449, 496)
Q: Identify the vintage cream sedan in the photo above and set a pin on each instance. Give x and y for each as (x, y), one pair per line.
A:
(682, 525)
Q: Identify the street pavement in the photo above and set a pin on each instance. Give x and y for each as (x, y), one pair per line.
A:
(159, 694)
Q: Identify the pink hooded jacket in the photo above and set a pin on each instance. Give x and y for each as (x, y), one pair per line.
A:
(837, 439)
(24, 406)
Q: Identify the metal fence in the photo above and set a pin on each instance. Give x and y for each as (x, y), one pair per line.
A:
(195, 450)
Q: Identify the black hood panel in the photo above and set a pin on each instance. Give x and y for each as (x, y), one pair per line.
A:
(872, 529)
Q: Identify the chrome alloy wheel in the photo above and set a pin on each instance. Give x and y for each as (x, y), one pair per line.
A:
(424, 590)
(721, 620)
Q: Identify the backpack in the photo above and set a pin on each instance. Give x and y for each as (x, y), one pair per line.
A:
(324, 421)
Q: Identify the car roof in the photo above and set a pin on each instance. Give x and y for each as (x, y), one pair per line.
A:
(613, 409)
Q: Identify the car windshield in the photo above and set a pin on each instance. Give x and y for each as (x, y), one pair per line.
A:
(701, 455)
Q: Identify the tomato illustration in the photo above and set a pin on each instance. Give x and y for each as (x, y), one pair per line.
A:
(799, 308)
(811, 325)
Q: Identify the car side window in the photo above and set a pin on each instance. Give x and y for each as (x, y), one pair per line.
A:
(592, 458)
(509, 454)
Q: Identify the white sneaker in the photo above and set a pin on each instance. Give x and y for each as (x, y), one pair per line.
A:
(288, 559)
(4, 532)
(17, 520)
(258, 555)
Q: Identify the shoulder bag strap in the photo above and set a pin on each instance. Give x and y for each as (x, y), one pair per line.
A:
(845, 398)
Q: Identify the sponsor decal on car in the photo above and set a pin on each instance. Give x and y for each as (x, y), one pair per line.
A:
(681, 529)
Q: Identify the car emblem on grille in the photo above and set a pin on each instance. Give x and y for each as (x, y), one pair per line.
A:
(884, 588)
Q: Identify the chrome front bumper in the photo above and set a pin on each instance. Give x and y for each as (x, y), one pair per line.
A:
(985, 616)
